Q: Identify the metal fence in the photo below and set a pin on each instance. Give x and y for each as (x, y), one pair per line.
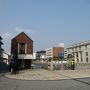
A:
(60, 66)
(82, 66)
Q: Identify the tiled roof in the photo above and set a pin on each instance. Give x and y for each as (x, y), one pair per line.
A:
(23, 34)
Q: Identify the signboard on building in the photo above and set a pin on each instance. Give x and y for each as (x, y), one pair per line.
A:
(61, 54)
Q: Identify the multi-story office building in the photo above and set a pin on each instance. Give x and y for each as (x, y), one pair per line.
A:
(80, 51)
(49, 53)
(6, 58)
(54, 52)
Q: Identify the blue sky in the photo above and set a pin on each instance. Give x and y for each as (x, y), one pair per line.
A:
(47, 22)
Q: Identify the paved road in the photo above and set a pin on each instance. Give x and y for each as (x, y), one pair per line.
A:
(69, 84)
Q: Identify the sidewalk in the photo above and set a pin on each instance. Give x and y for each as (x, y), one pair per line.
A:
(42, 74)
(79, 73)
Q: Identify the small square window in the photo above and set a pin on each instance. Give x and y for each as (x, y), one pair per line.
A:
(81, 60)
(77, 60)
(86, 59)
(21, 48)
(86, 53)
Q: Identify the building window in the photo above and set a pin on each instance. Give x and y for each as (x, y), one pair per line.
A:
(80, 54)
(77, 60)
(81, 60)
(76, 54)
(86, 53)
(86, 47)
(21, 48)
(86, 59)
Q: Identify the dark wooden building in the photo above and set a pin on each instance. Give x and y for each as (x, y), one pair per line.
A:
(1, 50)
(22, 50)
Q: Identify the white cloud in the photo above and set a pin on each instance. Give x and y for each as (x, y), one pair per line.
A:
(7, 35)
(28, 31)
(19, 30)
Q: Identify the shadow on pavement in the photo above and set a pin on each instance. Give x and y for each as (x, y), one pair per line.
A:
(4, 69)
(83, 80)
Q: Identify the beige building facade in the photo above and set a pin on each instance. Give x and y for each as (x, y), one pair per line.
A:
(80, 51)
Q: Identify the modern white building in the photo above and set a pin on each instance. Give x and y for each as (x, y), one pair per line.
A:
(80, 51)
(6, 58)
(49, 53)
(41, 55)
